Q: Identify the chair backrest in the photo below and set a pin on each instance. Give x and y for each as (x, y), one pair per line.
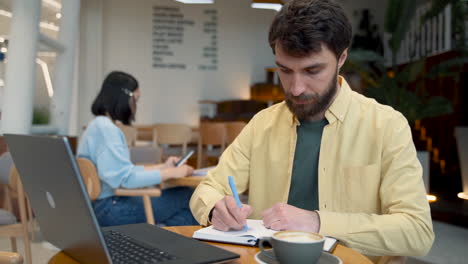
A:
(3, 145)
(212, 133)
(90, 177)
(20, 227)
(17, 187)
(6, 162)
(233, 129)
(172, 134)
(144, 132)
(129, 132)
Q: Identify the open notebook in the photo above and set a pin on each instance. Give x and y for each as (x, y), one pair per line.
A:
(248, 237)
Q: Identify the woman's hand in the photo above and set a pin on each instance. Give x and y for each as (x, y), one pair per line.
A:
(171, 161)
(176, 172)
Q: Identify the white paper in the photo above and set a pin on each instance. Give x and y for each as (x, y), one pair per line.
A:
(202, 171)
(255, 229)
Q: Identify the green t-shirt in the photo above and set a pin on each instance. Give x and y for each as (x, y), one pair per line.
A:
(303, 192)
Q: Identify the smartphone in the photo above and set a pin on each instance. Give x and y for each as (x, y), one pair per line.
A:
(184, 158)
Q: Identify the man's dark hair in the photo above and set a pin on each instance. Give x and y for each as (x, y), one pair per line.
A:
(115, 97)
(303, 25)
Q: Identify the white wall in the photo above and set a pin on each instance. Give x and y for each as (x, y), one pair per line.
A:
(170, 95)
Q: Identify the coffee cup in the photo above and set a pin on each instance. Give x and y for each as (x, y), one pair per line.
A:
(294, 247)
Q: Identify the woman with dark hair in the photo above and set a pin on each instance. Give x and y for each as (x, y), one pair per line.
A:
(104, 144)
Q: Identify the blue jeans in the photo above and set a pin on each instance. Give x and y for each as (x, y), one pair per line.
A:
(170, 209)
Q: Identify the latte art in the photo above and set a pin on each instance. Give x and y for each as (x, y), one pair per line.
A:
(298, 237)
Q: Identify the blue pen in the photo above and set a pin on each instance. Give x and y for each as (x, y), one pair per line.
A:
(236, 196)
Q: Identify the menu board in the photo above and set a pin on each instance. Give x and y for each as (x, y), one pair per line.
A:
(170, 28)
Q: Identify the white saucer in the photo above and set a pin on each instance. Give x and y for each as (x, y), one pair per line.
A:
(326, 258)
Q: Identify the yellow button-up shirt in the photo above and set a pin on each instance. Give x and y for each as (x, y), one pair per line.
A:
(371, 193)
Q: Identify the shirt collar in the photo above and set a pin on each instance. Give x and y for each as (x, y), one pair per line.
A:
(339, 106)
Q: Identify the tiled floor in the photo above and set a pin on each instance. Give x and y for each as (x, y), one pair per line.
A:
(40, 254)
(450, 247)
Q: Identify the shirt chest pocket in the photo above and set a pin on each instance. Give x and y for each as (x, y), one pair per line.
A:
(360, 189)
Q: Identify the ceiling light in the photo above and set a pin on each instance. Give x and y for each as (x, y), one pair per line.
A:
(2, 39)
(53, 4)
(58, 16)
(431, 198)
(196, 1)
(5, 13)
(46, 54)
(46, 73)
(42, 24)
(463, 196)
(3, 50)
(276, 7)
(49, 26)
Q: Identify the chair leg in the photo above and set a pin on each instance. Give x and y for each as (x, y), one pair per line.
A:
(27, 248)
(148, 209)
(199, 155)
(14, 247)
(32, 229)
(31, 221)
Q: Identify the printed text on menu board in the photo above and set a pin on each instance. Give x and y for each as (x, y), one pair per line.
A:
(169, 28)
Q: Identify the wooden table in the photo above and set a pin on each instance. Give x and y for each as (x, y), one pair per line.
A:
(347, 255)
(189, 181)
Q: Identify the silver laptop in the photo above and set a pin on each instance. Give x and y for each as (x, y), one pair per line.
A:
(52, 180)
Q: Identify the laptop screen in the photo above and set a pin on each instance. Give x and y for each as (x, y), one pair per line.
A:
(52, 180)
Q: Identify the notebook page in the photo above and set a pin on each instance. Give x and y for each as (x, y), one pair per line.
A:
(202, 171)
(256, 229)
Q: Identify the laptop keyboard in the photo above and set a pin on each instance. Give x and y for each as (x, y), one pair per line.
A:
(124, 249)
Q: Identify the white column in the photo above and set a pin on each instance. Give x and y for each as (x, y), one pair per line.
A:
(20, 75)
(64, 69)
(91, 56)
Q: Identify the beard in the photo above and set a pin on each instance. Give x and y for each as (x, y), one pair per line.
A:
(318, 102)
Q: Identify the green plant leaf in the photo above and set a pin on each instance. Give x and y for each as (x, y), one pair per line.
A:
(435, 106)
(41, 116)
(365, 56)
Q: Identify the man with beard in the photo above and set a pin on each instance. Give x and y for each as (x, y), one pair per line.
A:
(327, 160)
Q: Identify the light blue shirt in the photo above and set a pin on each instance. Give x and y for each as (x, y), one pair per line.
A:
(104, 144)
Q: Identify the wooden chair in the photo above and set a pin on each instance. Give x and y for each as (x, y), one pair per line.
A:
(3, 145)
(210, 134)
(129, 132)
(165, 135)
(93, 185)
(233, 129)
(10, 258)
(9, 226)
(144, 132)
(139, 154)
